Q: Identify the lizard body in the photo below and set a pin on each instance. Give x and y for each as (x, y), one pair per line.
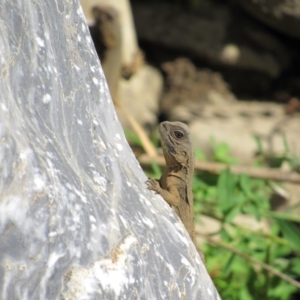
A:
(175, 184)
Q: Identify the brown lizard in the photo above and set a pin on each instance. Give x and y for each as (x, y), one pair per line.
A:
(175, 184)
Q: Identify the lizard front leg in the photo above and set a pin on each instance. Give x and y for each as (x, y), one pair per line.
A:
(171, 195)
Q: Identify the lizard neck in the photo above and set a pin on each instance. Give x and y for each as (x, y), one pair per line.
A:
(174, 168)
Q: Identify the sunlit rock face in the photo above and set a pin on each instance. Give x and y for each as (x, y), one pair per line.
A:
(76, 221)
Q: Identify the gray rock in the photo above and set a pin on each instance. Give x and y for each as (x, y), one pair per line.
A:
(215, 34)
(283, 15)
(76, 221)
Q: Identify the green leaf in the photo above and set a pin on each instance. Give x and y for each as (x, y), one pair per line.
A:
(199, 155)
(133, 138)
(259, 144)
(226, 185)
(251, 209)
(246, 183)
(224, 235)
(286, 144)
(244, 294)
(198, 183)
(291, 233)
(296, 265)
(281, 291)
(228, 265)
(197, 206)
(221, 153)
(156, 169)
(232, 213)
(283, 216)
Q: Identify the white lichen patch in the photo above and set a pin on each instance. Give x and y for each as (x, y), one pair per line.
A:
(53, 258)
(124, 222)
(3, 107)
(83, 27)
(77, 68)
(100, 180)
(46, 98)
(145, 200)
(108, 274)
(25, 154)
(79, 12)
(93, 228)
(88, 39)
(14, 209)
(184, 261)
(81, 195)
(52, 234)
(95, 80)
(171, 269)
(119, 147)
(92, 219)
(40, 42)
(209, 291)
(39, 183)
(146, 221)
(179, 226)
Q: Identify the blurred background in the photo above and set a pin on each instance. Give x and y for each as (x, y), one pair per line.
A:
(230, 69)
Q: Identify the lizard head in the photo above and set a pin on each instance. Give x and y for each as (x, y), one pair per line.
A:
(176, 143)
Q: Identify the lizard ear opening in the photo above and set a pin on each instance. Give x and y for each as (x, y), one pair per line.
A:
(183, 153)
(182, 158)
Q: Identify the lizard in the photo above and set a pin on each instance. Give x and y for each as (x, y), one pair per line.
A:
(175, 184)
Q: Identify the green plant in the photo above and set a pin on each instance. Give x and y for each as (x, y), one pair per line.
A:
(276, 160)
(221, 153)
(228, 260)
(246, 263)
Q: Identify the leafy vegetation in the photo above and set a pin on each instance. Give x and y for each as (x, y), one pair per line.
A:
(246, 263)
(238, 258)
(226, 197)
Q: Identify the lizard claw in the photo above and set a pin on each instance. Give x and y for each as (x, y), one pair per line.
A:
(153, 185)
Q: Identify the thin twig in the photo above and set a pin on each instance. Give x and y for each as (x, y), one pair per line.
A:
(140, 132)
(216, 168)
(257, 232)
(251, 259)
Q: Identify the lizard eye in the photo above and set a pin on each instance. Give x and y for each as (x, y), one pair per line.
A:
(178, 134)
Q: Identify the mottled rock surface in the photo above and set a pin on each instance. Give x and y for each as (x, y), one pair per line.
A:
(282, 15)
(215, 34)
(76, 221)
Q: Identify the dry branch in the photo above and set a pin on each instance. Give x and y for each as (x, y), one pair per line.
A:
(212, 167)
